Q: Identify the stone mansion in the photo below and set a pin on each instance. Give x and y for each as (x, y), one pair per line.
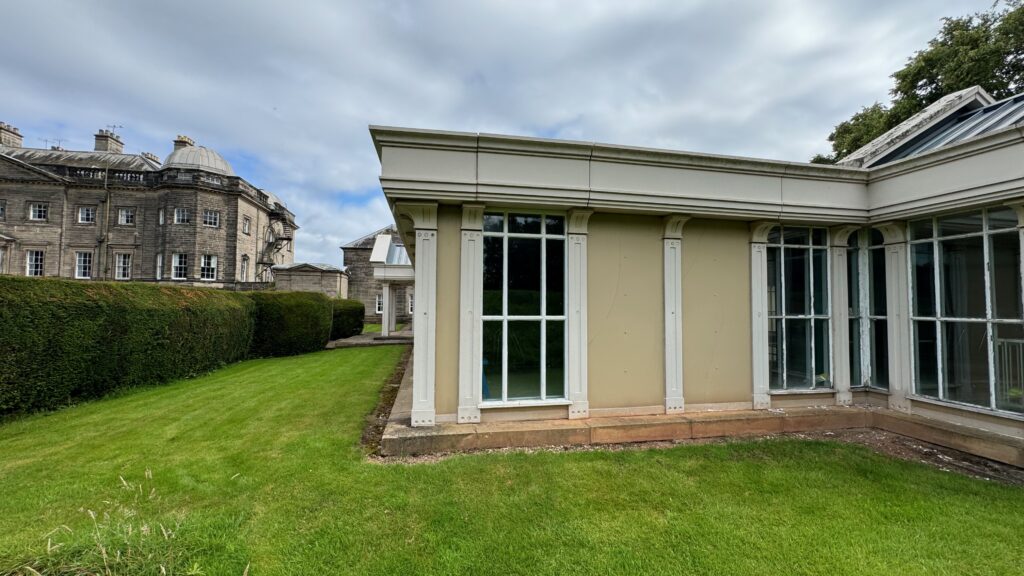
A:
(107, 215)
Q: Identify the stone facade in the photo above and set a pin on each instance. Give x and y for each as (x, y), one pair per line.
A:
(361, 284)
(321, 278)
(112, 208)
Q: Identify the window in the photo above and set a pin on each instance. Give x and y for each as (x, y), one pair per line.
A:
(869, 363)
(3, 209)
(122, 266)
(244, 272)
(179, 266)
(126, 216)
(160, 216)
(523, 307)
(34, 263)
(799, 347)
(3, 259)
(87, 215)
(410, 303)
(966, 307)
(211, 218)
(83, 265)
(38, 211)
(181, 216)
(159, 267)
(380, 304)
(246, 224)
(208, 267)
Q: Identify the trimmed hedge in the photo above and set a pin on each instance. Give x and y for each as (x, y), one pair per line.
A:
(62, 341)
(290, 323)
(348, 318)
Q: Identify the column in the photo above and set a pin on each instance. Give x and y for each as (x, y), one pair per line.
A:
(673, 266)
(576, 301)
(759, 312)
(423, 216)
(471, 285)
(393, 310)
(841, 315)
(385, 318)
(897, 312)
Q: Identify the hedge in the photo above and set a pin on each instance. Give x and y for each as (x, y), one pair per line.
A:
(62, 341)
(290, 323)
(348, 318)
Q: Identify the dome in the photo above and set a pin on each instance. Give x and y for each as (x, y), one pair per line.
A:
(198, 158)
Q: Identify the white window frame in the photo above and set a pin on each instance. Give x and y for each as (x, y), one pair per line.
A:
(39, 211)
(86, 214)
(35, 261)
(126, 216)
(543, 317)
(159, 267)
(380, 304)
(208, 268)
(182, 216)
(246, 225)
(244, 269)
(160, 216)
(211, 218)
(122, 266)
(861, 311)
(410, 304)
(179, 261)
(83, 264)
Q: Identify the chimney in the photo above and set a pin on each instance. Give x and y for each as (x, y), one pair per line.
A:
(107, 141)
(183, 141)
(151, 157)
(9, 136)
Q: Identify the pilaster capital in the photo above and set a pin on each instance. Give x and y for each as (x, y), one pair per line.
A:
(578, 219)
(759, 230)
(841, 233)
(422, 214)
(472, 216)
(674, 225)
(893, 232)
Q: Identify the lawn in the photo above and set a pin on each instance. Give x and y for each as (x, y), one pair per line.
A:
(259, 465)
(376, 328)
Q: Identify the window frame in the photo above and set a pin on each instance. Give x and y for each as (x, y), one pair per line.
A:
(83, 260)
(862, 244)
(43, 207)
(3, 210)
(211, 216)
(123, 212)
(246, 225)
(119, 266)
(244, 268)
(410, 298)
(82, 212)
(208, 268)
(182, 216)
(31, 264)
(179, 260)
(159, 272)
(379, 304)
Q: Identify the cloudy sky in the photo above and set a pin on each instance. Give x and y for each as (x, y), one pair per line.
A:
(285, 89)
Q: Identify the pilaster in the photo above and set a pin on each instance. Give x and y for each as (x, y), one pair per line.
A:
(471, 283)
(841, 379)
(759, 312)
(897, 313)
(576, 283)
(673, 273)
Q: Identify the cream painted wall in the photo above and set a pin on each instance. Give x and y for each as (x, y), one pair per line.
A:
(446, 368)
(716, 312)
(626, 311)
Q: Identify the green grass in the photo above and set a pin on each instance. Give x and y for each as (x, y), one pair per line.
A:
(259, 465)
(376, 328)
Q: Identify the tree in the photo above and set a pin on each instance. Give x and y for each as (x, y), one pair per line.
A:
(984, 49)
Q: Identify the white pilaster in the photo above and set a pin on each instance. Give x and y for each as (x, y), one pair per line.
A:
(897, 313)
(577, 306)
(759, 312)
(471, 285)
(841, 316)
(385, 318)
(673, 267)
(424, 219)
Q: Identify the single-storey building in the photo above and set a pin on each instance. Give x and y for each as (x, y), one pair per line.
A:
(308, 277)
(560, 280)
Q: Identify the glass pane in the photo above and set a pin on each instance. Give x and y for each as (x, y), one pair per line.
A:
(493, 249)
(523, 359)
(798, 354)
(921, 229)
(775, 354)
(492, 360)
(555, 277)
(822, 355)
(554, 225)
(924, 279)
(818, 236)
(1009, 361)
(774, 235)
(1005, 260)
(797, 272)
(876, 237)
(960, 224)
(877, 279)
(795, 235)
(965, 355)
(963, 270)
(774, 270)
(524, 276)
(855, 374)
(555, 359)
(880, 353)
(853, 282)
(524, 223)
(820, 282)
(494, 223)
(926, 359)
(1000, 218)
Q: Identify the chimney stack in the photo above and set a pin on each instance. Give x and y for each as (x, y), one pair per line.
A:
(9, 136)
(107, 141)
(183, 141)
(151, 157)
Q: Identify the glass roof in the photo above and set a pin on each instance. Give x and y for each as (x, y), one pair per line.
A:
(967, 124)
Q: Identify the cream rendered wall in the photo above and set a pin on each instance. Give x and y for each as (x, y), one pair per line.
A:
(625, 311)
(446, 367)
(716, 312)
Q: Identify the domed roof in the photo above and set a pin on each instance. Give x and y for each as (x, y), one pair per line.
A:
(198, 158)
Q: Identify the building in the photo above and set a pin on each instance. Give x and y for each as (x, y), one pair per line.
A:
(108, 215)
(561, 280)
(303, 277)
(363, 286)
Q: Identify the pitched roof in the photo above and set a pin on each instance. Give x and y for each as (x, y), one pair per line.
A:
(81, 159)
(26, 167)
(365, 241)
(312, 265)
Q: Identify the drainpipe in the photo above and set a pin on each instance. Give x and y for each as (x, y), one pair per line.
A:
(60, 235)
(101, 252)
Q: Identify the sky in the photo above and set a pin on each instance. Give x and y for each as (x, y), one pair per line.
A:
(285, 90)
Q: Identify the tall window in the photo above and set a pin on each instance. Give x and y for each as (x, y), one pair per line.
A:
(966, 309)
(244, 273)
(160, 216)
(123, 266)
(87, 215)
(799, 347)
(181, 216)
(869, 335)
(83, 265)
(3, 210)
(410, 304)
(126, 216)
(34, 263)
(380, 304)
(38, 211)
(246, 224)
(159, 267)
(211, 218)
(3, 258)
(179, 266)
(523, 307)
(208, 267)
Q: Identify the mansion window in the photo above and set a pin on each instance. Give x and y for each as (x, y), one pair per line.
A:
(159, 267)
(246, 224)
(523, 307)
(244, 273)
(126, 216)
(122, 266)
(3, 259)
(38, 211)
(380, 304)
(160, 216)
(208, 267)
(83, 265)
(410, 304)
(799, 347)
(211, 218)
(3, 210)
(869, 336)
(34, 263)
(966, 308)
(87, 215)
(181, 216)
(179, 266)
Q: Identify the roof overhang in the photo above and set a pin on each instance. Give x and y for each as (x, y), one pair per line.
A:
(394, 272)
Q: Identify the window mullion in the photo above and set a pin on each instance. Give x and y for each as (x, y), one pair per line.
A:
(782, 309)
(504, 314)
(939, 297)
(543, 310)
(986, 252)
(810, 285)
